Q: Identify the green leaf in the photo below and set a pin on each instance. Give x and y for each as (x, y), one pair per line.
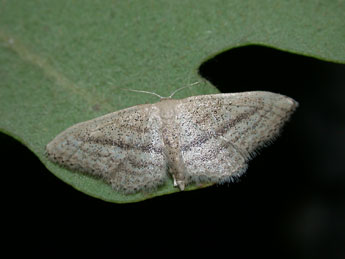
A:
(63, 62)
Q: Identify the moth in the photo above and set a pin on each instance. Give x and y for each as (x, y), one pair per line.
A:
(199, 139)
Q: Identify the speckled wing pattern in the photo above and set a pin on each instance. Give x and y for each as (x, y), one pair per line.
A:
(200, 139)
(220, 133)
(123, 147)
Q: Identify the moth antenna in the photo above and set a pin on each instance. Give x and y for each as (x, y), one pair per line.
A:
(161, 97)
(179, 89)
(145, 92)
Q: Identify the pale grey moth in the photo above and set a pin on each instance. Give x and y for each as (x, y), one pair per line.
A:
(200, 139)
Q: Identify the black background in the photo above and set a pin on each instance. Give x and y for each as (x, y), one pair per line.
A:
(289, 204)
